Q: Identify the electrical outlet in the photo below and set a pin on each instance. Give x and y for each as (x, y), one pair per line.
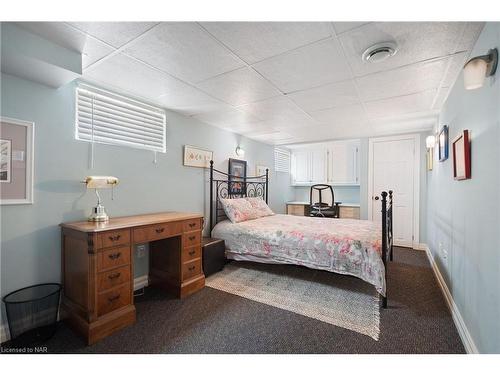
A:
(141, 251)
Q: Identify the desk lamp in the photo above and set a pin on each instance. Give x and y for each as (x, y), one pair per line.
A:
(100, 182)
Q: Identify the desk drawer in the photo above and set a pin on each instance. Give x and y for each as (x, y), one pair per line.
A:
(113, 299)
(110, 279)
(114, 238)
(157, 231)
(193, 224)
(191, 239)
(190, 253)
(191, 269)
(113, 258)
(347, 212)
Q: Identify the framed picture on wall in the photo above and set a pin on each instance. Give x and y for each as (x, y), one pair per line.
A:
(443, 143)
(197, 157)
(237, 170)
(461, 156)
(16, 161)
(260, 170)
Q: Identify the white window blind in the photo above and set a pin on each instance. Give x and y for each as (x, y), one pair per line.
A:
(281, 160)
(105, 117)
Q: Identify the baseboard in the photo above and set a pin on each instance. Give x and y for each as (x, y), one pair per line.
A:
(141, 282)
(470, 346)
(419, 246)
(4, 333)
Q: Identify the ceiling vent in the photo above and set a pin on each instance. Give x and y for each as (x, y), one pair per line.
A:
(379, 52)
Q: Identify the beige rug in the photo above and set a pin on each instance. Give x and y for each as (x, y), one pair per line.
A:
(335, 299)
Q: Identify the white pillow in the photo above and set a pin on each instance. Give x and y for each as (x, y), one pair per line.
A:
(238, 209)
(261, 209)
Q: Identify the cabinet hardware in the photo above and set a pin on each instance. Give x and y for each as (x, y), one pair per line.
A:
(192, 252)
(113, 299)
(115, 238)
(114, 256)
(192, 268)
(192, 225)
(191, 238)
(160, 230)
(114, 275)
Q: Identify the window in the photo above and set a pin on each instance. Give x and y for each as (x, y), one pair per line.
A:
(104, 117)
(281, 160)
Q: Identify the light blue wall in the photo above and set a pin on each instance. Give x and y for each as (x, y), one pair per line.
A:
(30, 237)
(463, 216)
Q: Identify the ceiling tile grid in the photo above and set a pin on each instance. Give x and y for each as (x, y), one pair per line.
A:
(278, 82)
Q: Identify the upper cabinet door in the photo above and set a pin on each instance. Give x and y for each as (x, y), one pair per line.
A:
(301, 167)
(343, 163)
(319, 165)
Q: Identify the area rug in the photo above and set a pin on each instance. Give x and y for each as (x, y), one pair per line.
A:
(339, 300)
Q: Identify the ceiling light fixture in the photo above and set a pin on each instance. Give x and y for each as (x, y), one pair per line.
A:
(379, 52)
(478, 68)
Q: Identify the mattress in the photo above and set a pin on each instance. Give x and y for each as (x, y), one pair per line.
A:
(345, 246)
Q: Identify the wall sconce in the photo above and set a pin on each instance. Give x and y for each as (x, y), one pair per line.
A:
(430, 142)
(478, 68)
(240, 152)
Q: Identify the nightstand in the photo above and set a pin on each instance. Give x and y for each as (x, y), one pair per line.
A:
(214, 255)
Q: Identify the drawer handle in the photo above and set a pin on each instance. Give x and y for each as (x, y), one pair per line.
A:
(114, 256)
(192, 252)
(191, 225)
(114, 275)
(191, 238)
(115, 238)
(160, 230)
(191, 268)
(114, 298)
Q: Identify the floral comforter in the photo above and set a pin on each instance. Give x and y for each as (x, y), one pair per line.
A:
(345, 246)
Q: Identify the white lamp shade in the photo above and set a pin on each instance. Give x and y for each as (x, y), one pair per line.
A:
(430, 141)
(100, 182)
(475, 73)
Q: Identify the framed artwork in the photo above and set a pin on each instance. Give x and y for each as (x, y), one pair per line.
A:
(443, 143)
(260, 170)
(237, 170)
(16, 161)
(197, 157)
(429, 159)
(461, 156)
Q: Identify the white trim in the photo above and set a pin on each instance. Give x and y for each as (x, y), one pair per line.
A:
(465, 336)
(416, 180)
(141, 282)
(30, 161)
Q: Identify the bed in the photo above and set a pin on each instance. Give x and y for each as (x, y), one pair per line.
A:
(358, 248)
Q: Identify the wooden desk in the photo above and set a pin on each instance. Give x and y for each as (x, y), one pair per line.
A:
(300, 208)
(97, 266)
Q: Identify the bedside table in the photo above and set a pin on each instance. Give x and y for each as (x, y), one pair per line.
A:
(213, 254)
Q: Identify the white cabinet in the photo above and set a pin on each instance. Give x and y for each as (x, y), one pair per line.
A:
(343, 163)
(334, 163)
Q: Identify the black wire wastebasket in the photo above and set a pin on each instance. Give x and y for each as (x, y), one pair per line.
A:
(32, 313)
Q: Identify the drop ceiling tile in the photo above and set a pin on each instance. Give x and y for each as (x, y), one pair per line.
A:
(328, 96)
(342, 27)
(277, 110)
(71, 38)
(332, 131)
(416, 41)
(114, 33)
(191, 101)
(226, 118)
(403, 81)
(401, 105)
(255, 41)
(123, 72)
(239, 86)
(306, 67)
(184, 50)
(457, 63)
(341, 115)
(469, 38)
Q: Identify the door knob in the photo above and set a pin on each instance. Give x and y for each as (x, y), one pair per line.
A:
(376, 198)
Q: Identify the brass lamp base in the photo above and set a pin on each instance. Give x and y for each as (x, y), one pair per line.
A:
(98, 214)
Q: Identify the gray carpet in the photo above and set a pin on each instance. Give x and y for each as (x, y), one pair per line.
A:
(212, 321)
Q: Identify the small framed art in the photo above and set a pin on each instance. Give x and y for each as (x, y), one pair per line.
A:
(443, 143)
(237, 171)
(16, 161)
(197, 157)
(461, 156)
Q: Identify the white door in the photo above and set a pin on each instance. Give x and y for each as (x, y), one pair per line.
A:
(343, 163)
(301, 167)
(318, 165)
(394, 166)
